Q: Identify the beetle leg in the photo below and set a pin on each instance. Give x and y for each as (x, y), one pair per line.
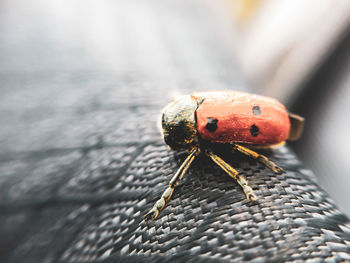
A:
(160, 204)
(261, 158)
(248, 191)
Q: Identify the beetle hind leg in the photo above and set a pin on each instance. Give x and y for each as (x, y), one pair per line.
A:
(259, 157)
(248, 191)
(160, 204)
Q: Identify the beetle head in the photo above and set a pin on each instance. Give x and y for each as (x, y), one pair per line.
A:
(179, 123)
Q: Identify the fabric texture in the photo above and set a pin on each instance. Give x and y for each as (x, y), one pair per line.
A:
(82, 158)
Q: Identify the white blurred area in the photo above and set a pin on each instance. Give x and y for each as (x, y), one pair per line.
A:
(281, 43)
(278, 44)
(92, 27)
(116, 35)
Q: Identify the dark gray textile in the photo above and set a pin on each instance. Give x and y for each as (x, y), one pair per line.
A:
(82, 158)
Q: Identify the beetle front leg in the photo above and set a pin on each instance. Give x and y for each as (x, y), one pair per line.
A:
(248, 191)
(160, 204)
(259, 157)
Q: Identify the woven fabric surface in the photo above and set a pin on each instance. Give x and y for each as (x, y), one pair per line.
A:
(83, 159)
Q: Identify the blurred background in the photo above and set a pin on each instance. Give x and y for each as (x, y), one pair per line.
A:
(296, 51)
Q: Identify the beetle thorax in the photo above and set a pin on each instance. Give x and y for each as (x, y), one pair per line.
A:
(179, 124)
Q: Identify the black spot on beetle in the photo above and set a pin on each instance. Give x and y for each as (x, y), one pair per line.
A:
(211, 124)
(256, 110)
(254, 130)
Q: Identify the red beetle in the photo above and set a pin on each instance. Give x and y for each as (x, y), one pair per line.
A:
(241, 119)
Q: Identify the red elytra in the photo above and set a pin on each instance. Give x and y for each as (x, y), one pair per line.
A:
(241, 118)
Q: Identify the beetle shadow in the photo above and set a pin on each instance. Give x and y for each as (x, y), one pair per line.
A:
(204, 172)
(206, 188)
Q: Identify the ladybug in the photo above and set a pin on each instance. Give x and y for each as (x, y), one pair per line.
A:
(245, 121)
